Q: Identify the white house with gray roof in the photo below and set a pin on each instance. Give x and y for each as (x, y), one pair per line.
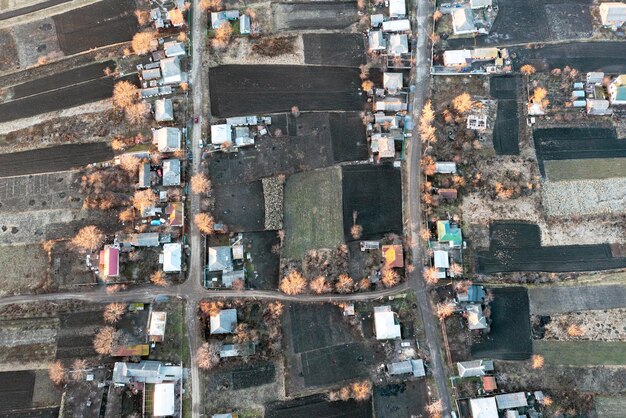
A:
(224, 322)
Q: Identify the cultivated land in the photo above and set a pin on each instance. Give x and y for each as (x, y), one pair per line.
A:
(313, 212)
(509, 337)
(582, 353)
(592, 168)
(334, 49)
(318, 406)
(610, 407)
(583, 56)
(239, 89)
(96, 25)
(288, 16)
(562, 299)
(240, 206)
(401, 400)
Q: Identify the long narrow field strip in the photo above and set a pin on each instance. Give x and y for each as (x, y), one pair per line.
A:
(582, 353)
(561, 299)
(593, 168)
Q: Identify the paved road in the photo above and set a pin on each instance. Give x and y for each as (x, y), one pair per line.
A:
(421, 77)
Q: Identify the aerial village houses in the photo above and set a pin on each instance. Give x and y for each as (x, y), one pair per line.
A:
(223, 322)
(386, 323)
(613, 14)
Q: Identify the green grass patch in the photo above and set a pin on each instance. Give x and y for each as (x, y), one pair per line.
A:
(610, 407)
(593, 168)
(581, 353)
(313, 212)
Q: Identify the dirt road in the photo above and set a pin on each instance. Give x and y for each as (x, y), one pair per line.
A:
(421, 82)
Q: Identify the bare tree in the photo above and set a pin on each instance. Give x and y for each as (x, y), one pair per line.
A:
(142, 42)
(210, 308)
(537, 361)
(444, 310)
(244, 333)
(125, 94)
(238, 284)
(575, 330)
(104, 340)
(159, 278)
(364, 284)
(210, 5)
(204, 222)
(293, 284)
(136, 113)
(144, 198)
(88, 238)
(130, 164)
(56, 372)
(431, 276)
(344, 284)
(367, 85)
(79, 369)
(127, 215)
(435, 409)
(274, 310)
(222, 36)
(389, 278)
(356, 231)
(143, 17)
(200, 184)
(208, 356)
(361, 391)
(320, 285)
(113, 312)
(462, 103)
(527, 69)
(455, 269)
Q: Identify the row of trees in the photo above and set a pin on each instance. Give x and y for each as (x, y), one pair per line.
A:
(294, 283)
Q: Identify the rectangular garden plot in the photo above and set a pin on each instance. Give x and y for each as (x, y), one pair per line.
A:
(592, 168)
(519, 252)
(263, 268)
(577, 143)
(248, 89)
(503, 87)
(552, 300)
(59, 158)
(509, 337)
(96, 25)
(582, 353)
(313, 212)
(322, 14)
(506, 129)
(346, 49)
(16, 390)
(583, 56)
(374, 194)
(240, 206)
(334, 364)
(406, 399)
(318, 406)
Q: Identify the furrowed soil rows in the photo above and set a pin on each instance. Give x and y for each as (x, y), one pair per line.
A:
(322, 14)
(374, 193)
(583, 56)
(30, 9)
(513, 247)
(334, 49)
(577, 143)
(64, 79)
(350, 361)
(16, 390)
(318, 406)
(505, 131)
(59, 158)
(406, 399)
(249, 89)
(562, 299)
(103, 23)
(509, 337)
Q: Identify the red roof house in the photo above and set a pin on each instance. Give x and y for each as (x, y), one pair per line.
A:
(175, 214)
(110, 261)
(393, 255)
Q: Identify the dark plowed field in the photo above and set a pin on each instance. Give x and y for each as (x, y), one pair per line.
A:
(577, 143)
(59, 158)
(349, 361)
(583, 56)
(375, 193)
(319, 407)
(240, 206)
(33, 413)
(91, 91)
(16, 390)
(103, 23)
(506, 129)
(551, 300)
(346, 50)
(249, 89)
(401, 400)
(513, 247)
(257, 375)
(64, 79)
(503, 87)
(309, 334)
(509, 338)
(266, 262)
(30, 9)
(310, 141)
